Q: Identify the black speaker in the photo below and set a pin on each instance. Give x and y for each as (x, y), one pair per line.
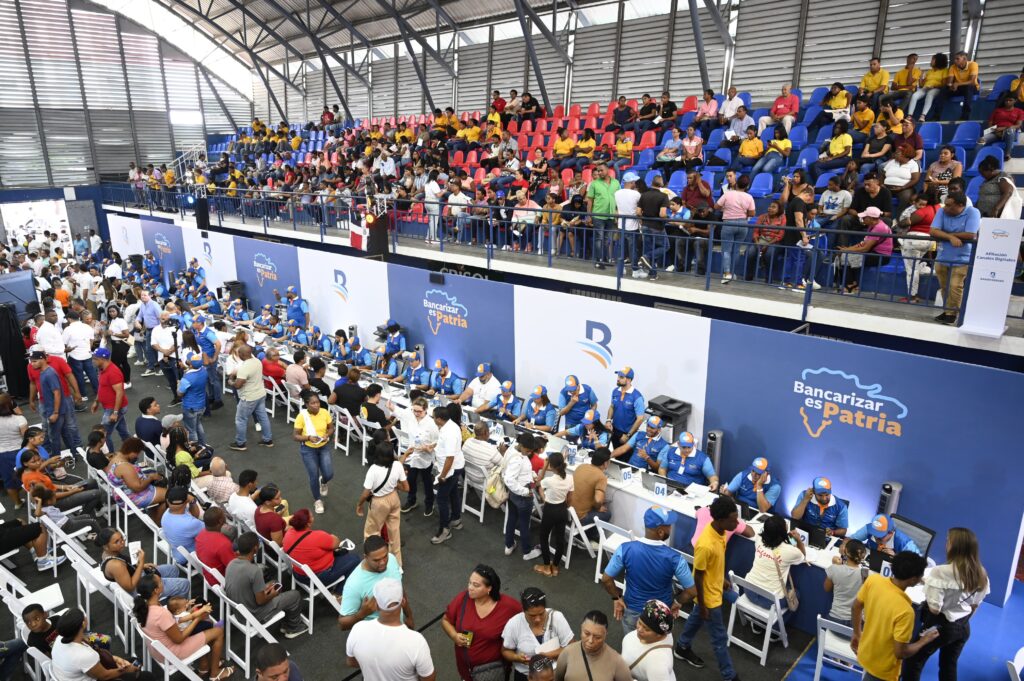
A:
(203, 213)
(136, 259)
(235, 289)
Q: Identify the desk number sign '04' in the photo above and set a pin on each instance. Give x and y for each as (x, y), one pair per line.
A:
(660, 489)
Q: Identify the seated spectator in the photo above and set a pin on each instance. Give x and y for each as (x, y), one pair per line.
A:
(843, 579)
(835, 106)
(242, 504)
(318, 550)
(220, 486)
(1004, 125)
(904, 83)
(74, 658)
(268, 518)
(531, 109)
(147, 425)
(836, 151)
(874, 83)
(931, 85)
(481, 454)
(213, 546)
(783, 111)
(877, 150)
(863, 119)
(273, 368)
(767, 236)
(737, 130)
(45, 504)
(961, 81)
(116, 565)
(729, 106)
(750, 152)
(621, 115)
(65, 497)
(670, 156)
(908, 135)
(779, 149)
(941, 171)
(693, 150)
(644, 119)
(901, 174)
(244, 584)
(192, 455)
(623, 152)
(874, 250)
(706, 115)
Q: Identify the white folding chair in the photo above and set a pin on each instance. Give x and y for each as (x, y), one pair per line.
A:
(480, 489)
(576, 530)
(158, 457)
(365, 433)
(38, 666)
(609, 538)
(58, 537)
(1016, 666)
(50, 597)
(770, 617)
(124, 618)
(89, 580)
(343, 427)
(834, 647)
(273, 556)
(276, 396)
(291, 391)
(313, 586)
(169, 662)
(238, 617)
(203, 569)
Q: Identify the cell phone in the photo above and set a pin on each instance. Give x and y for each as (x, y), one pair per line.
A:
(929, 630)
(278, 586)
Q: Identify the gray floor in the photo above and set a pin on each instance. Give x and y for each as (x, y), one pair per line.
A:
(434, 574)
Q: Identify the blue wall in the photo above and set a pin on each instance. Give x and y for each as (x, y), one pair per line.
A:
(264, 266)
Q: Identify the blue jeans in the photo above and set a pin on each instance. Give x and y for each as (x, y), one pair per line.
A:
(655, 247)
(214, 383)
(732, 235)
(247, 410)
(629, 618)
(604, 237)
(519, 510)
(758, 600)
(719, 639)
(193, 420)
(11, 658)
(64, 431)
(768, 163)
(416, 475)
(120, 425)
(83, 368)
(620, 165)
(174, 583)
(449, 501)
(151, 357)
(1008, 138)
(793, 268)
(819, 167)
(319, 466)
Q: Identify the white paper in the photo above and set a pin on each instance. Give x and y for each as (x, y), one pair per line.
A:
(133, 551)
(548, 646)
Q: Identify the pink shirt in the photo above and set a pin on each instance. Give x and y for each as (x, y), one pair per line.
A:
(786, 105)
(707, 109)
(704, 518)
(881, 236)
(735, 204)
(693, 146)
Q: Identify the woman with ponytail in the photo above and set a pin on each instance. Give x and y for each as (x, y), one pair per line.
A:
(76, 660)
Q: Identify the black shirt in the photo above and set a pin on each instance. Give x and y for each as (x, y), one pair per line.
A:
(648, 109)
(43, 641)
(349, 396)
(668, 110)
(148, 429)
(373, 414)
(862, 200)
(318, 386)
(795, 205)
(651, 203)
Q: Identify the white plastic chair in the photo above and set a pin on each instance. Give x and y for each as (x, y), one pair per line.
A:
(50, 597)
(609, 538)
(58, 537)
(834, 647)
(170, 663)
(291, 392)
(203, 569)
(313, 586)
(770, 617)
(1016, 667)
(343, 428)
(576, 531)
(238, 617)
(481, 491)
(89, 580)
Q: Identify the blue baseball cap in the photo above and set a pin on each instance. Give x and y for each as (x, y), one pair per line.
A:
(626, 372)
(571, 381)
(482, 369)
(196, 361)
(391, 322)
(237, 301)
(316, 329)
(291, 322)
(659, 516)
(101, 353)
(655, 422)
(291, 289)
(441, 364)
(355, 342)
(760, 464)
(630, 177)
(880, 526)
(266, 308)
(500, 194)
(199, 319)
(686, 439)
(822, 485)
(508, 387)
(539, 391)
(589, 417)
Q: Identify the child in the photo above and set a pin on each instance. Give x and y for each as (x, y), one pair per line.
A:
(97, 454)
(817, 241)
(43, 630)
(844, 579)
(45, 505)
(185, 610)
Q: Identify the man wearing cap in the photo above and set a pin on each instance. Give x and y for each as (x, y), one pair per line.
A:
(443, 381)
(626, 412)
(238, 313)
(67, 379)
(881, 534)
(538, 412)
(297, 336)
(755, 486)
(505, 405)
(192, 391)
(395, 340)
(319, 342)
(181, 524)
(111, 397)
(574, 400)
(210, 345)
(298, 308)
(683, 462)
(820, 508)
(386, 649)
(648, 566)
(416, 376)
(482, 389)
(646, 447)
(589, 432)
(56, 406)
(358, 356)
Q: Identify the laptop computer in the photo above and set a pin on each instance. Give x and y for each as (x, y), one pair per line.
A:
(615, 470)
(816, 536)
(748, 513)
(651, 480)
(876, 558)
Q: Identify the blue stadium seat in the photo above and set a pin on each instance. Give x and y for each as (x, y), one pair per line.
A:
(799, 94)
(709, 177)
(931, 134)
(714, 140)
(645, 161)
(824, 135)
(756, 115)
(966, 134)
(798, 137)
(651, 174)
(973, 186)
(762, 185)
(687, 119)
(677, 181)
(768, 135)
(984, 152)
(724, 153)
(822, 183)
(810, 113)
(817, 96)
(745, 96)
(806, 158)
(1002, 84)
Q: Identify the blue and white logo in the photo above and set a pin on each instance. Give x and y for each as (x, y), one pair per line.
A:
(339, 286)
(266, 270)
(598, 343)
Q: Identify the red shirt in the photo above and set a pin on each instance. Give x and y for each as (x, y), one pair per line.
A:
(693, 198)
(110, 377)
(785, 106)
(273, 373)
(267, 523)
(316, 550)
(486, 646)
(1006, 118)
(927, 215)
(214, 549)
(62, 369)
(499, 104)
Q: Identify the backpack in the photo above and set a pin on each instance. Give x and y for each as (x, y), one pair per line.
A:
(495, 491)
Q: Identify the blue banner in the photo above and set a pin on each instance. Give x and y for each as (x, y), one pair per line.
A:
(164, 240)
(864, 416)
(464, 320)
(264, 266)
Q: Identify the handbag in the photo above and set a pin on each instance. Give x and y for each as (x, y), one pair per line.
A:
(792, 597)
(644, 654)
(488, 671)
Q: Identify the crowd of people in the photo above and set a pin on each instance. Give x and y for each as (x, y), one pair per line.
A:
(79, 351)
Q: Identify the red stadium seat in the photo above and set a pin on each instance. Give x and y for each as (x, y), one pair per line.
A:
(575, 111)
(567, 176)
(588, 174)
(523, 141)
(574, 125)
(393, 121)
(464, 117)
(459, 158)
(608, 139)
(648, 141)
(473, 159)
(527, 126)
(591, 123)
(632, 103)
(611, 109)
(594, 109)
(479, 175)
(543, 125)
(513, 127)
(690, 104)
(559, 111)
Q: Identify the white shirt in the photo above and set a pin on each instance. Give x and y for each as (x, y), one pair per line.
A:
(457, 202)
(162, 337)
(729, 106)
(944, 593)
(388, 653)
(657, 665)
(518, 636)
(481, 456)
(556, 488)
(95, 242)
(483, 393)
(518, 474)
(79, 337)
(242, 508)
(113, 270)
(898, 174)
(432, 194)
(83, 280)
(626, 202)
(376, 475)
(49, 338)
(764, 574)
(119, 325)
(72, 660)
(420, 432)
(449, 444)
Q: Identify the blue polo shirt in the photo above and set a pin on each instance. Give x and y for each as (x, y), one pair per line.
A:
(299, 336)
(192, 387)
(900, 541)
(626, 406)
(640, 442)
(833, 516)
(416, 376)
(48, 382)
(540, 416)
(395, 343)
(322, 344)
(587, 400)
(152, 267)
(696, 468)
(205, 339)
(43, 454)
(181, 530)
(743, 490)
(598, 439)
(238, 315)
(444, 385)
(390, 368)
(968, 221)
(277, 331)
(213, 305)
(297, 309)
(263, 320)
(508, 411)
(649, 567)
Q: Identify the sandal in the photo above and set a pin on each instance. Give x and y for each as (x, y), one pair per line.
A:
(542, 569)
(225, 673)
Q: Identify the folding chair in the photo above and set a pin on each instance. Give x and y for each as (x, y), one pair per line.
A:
(12, 588)
(609, 538)
(576, 530)
(158, 457)
(834, 647)
(204, 569)
(239, 617)
(291, 391)
(58, 537)
(89, 580)
(481, 491)
(170, 663)
(770, 617)
(343, 426)
(313, 586)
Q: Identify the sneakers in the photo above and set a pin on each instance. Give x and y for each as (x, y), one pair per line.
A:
(670, 268)
(427, 512)
(652, 276)
(532, 555)
(456, 524)
(323, 488)
(175, 402)
(139, 363)
(638, 274)
(599, 265)
(509, 550)
(318, 506)
(408, 506)
(688, 656)
(238, 446)
(266, 443)
(946, 318)
(645, 263)
(596, 546)
(726, 278)
(44, 564)
(441, 537)
(292, 634)
(127, 386)
(150, 372)
(814, 285)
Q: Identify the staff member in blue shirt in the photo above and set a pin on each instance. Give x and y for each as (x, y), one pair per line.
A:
(443, 380)
(192, 391)
(505, 404)
(340, 351)
(197, 273)
(210, 345)
(358, 356)
(238, 313)
(684, 463)
(646, 446)
(265, 321)
(755, 486)
(955, 227)
(416, 376)
(649, 566)
(575, 400)
(626, 412)
(385, 365)
(589, 433)
(881, 534)
(151, 265)
(298, 308)
(319, 342)
(210, 304)
(277, 330)
(296, 334)
(820, 508)
(539, 413)
(395, 340)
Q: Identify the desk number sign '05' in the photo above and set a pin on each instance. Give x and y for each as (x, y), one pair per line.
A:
(627, 475)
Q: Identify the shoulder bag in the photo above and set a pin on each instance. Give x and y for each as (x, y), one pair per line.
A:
(649, 650)
(792, 598)
(387, 478)
(488, 671)
(586, 663)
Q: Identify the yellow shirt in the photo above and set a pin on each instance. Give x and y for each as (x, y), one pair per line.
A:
(709, 557)
(863, 120)
(963, 76)
(494, 119)
(586, 148)
(404, 135)
(904, 79)
(780, 145)
(232, 188)
(169, 178)
(839, 101)
(321, 420)
(200, 179)
(888, 617)
(296, 143)
(875, 81)
(898, 115)
(751, 148)
(1017, 89)
(624, 148)
(473, 133)
(444, 121)
(936, 77)
(564, 147)
(836, 145)
(376, 135)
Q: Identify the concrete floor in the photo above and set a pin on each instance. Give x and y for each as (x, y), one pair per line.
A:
(433, 574)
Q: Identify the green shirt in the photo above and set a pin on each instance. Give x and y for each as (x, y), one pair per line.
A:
(602, 194)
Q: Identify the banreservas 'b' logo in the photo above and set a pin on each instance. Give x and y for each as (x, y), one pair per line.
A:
(598, 343)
